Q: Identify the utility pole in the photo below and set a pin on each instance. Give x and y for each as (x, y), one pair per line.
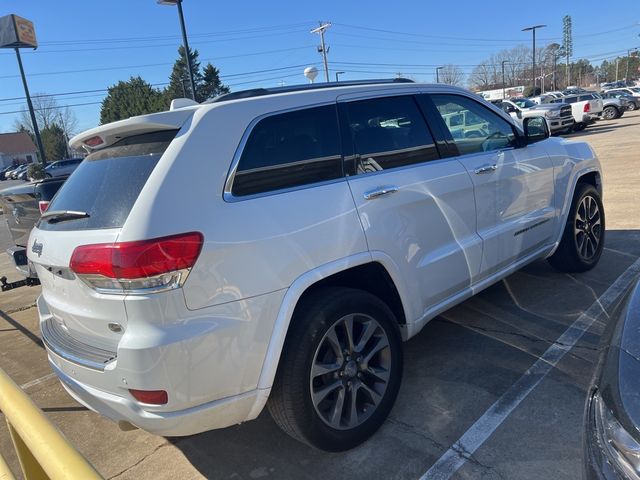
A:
(438, 74)
(322, 48)
(503, 81)
(533, 69)
(617, 62)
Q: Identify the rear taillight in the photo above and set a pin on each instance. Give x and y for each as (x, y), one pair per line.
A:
(42, 205)
(153, 397)
(587, 108)
(137, 267)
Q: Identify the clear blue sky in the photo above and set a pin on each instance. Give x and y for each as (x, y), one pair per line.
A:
(92, 44)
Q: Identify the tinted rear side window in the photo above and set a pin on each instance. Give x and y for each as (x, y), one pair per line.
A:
(388, 133)
(107, 183)
(289, 150)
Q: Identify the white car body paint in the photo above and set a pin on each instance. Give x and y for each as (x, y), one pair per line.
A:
(214, 344)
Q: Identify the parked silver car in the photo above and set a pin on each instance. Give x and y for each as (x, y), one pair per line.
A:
(62, 167)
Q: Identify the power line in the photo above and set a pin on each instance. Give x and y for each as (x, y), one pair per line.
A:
(171, 37)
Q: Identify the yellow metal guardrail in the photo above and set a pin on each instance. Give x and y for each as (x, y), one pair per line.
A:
(43, 452)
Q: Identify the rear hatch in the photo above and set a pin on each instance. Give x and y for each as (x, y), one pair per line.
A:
(90, 208)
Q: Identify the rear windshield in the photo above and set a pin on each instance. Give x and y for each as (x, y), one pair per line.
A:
(108, 182)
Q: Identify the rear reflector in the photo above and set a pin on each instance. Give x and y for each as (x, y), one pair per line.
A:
(153, 397)
(43, 205)
(159, 263)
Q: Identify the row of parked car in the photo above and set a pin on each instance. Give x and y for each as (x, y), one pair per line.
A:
(573, 109)
(54, 169)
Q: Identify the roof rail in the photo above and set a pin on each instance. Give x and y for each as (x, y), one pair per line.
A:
(257, 92)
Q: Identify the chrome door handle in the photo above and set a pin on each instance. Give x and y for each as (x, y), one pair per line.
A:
(486, 169)
(380, 191)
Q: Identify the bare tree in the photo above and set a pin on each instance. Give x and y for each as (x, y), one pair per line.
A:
(451, 75)
(48, 113)
(517, 68)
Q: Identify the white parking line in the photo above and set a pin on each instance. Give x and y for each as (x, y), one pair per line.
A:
(37, 381)
(483, 428)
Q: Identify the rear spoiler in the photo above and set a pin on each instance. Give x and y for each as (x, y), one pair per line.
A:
(105, 135)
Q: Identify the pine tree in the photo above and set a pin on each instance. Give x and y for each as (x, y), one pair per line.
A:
(127, 99)
(211, 86)
(179, 83)
(208, 83)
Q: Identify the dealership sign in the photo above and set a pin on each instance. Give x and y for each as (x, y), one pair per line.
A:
(17, 32)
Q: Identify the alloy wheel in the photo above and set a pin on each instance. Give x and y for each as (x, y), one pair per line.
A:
(588, 227)
(350, 372)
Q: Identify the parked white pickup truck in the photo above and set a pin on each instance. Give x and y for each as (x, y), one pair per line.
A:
(585, 108)
(275, 247)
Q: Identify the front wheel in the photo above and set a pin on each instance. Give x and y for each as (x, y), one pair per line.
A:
(583, 238)
(632, 106)
(340, 369)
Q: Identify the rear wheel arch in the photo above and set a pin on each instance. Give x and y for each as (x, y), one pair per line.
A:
(379, 283)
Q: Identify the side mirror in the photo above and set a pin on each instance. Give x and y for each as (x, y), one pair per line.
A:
(535, 129)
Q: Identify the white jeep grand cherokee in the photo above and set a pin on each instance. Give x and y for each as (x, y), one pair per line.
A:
(276, 246)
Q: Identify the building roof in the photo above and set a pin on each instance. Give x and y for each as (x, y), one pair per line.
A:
(15, 143)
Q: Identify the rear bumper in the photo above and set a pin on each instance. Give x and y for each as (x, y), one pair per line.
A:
(208, 361)
(220, 413)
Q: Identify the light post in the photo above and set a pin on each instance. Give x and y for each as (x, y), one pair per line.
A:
(185, 43)
(338, 75)
(533, 29)
(438, 74)
(503, 81)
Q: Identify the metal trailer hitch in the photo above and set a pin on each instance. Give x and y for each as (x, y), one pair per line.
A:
(27, 282)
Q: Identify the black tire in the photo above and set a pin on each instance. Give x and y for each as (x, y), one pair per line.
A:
(573, 254)
(578, 127)
(610, 112)
(632, 106)
(291, 404)
(47, 175)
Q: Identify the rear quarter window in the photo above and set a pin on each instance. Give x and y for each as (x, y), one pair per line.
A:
(107, 183)
(289, 150)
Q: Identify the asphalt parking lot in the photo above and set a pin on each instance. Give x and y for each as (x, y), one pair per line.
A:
(493, 388)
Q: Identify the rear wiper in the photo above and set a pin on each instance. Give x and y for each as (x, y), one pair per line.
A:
(56, 216)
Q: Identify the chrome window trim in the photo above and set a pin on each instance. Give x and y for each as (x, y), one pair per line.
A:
(228, 196)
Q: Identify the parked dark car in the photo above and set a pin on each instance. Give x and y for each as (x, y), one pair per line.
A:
(22, 206)
(612, 412)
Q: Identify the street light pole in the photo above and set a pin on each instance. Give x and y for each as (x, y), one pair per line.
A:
(34, 123)
(337, 75)
(438, 74)
(185, 43)
(533, 29)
